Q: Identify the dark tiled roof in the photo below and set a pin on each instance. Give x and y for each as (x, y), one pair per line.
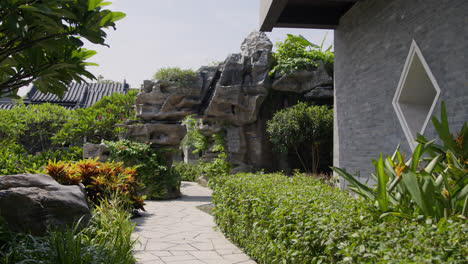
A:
(6, 106)
(78, 95)
(6, 103)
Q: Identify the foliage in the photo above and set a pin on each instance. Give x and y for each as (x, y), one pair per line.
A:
(40, 42)
(160, 181)
(106, 239)
(98, 122)
(219, 166)
(408, 189)
(301, 124)
(101, 180)
(279, 219)
(194, 139)
(32, 126)
(187, 171)
(176, 74)
(296, 53)
(15, 160)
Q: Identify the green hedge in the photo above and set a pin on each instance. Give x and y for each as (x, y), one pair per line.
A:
(280, 219)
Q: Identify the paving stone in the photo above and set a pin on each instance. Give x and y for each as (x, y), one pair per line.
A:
(176, 232)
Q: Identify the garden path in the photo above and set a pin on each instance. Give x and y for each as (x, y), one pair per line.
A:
(176, 232)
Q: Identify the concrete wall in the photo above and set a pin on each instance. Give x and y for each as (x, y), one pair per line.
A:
(371, 46)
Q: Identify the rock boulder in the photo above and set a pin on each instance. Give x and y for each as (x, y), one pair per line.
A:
(35, 203)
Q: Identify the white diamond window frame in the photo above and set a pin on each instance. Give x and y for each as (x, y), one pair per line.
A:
(414, 54)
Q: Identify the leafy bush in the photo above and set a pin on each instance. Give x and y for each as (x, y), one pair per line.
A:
(106, 239)
(101, 180)
(15, 160)
(176, 74)
(409, 189)
(160, 181)
(32, 126)
(279, 219)
(299, 126)
(98, 122)
(187, 171)
(297, 53)
(194, 139)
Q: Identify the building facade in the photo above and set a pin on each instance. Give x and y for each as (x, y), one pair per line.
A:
(395, 62)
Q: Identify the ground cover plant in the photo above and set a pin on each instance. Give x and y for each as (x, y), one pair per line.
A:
(280, 219)
(300, 129)
(160, 181)
(105, 240)
(432, 183)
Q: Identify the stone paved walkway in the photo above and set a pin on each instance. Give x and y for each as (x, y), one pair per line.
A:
(176, 232)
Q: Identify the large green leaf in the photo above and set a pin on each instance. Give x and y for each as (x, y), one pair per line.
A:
(382, 179)
(364, 189)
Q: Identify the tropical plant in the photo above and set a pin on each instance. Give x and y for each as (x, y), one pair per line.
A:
(101, 180)
(98, 122)
(176, 74)
(297, 53)
(293, 128)
(160, 181)
(41, 42)
(432, 183)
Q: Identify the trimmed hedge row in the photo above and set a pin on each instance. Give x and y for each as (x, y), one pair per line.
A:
(280, 219)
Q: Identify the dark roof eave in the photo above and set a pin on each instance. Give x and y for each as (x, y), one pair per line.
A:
(321, 14)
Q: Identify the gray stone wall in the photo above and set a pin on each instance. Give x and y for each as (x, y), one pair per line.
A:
(372, 43)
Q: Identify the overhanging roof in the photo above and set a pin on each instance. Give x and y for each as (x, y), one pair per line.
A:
(324, 14)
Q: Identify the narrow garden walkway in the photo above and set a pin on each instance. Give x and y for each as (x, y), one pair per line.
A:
(176, 232)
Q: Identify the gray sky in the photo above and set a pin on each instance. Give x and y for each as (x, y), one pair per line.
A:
(183, 33)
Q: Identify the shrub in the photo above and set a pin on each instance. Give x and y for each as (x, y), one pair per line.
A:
(279, 219)
(98, 122)
(297, 53)
(32, 126)
(299, 126)
(101, 180)
(176, 74)
(194, 139)
(432, 183)
(15, 160)
(160, 181)
(187, 171)
(106, 239)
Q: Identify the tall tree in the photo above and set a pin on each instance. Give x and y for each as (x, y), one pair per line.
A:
(40, 42)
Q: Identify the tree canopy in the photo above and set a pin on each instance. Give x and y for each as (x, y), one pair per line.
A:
(40, 42)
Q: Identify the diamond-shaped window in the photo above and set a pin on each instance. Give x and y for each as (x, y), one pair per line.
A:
(416, 95)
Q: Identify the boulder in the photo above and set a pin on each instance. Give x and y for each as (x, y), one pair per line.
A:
(256, 40)
(36, 203)
(96, 150)
(166, 100)
(159, 134)
(302, 81)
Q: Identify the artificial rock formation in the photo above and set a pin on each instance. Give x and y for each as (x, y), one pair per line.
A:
(36, 202)
(237, 96)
